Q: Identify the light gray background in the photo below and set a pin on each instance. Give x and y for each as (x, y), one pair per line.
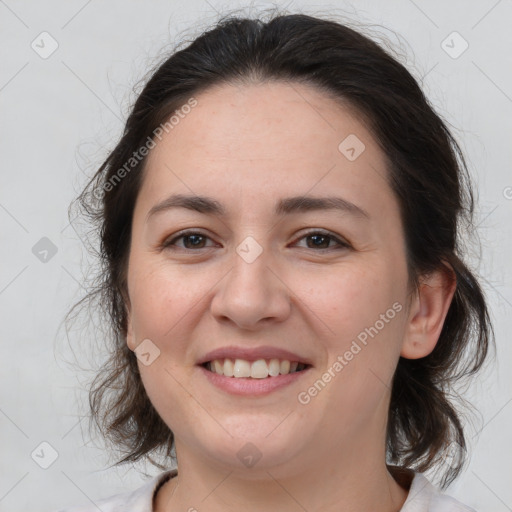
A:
(61, 115)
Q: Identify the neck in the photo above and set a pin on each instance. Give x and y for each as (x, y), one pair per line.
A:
(359, 484)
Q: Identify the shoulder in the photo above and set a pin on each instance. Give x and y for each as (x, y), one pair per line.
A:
(139, 500)
(425, 497)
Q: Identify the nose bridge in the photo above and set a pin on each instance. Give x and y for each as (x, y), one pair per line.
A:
(251, 292)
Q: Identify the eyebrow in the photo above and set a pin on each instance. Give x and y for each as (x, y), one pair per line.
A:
(286, 206)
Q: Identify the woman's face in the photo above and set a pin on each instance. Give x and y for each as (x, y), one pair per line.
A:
(268, 273)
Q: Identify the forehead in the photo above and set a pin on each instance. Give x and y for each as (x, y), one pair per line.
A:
(266, 121)
(276, 137)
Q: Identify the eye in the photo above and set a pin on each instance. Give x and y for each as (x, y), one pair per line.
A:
(196, 240)
(321, 240)
(191, 239)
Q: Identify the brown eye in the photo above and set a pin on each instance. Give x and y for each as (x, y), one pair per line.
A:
(321, 240)
(191, 240)
(315, 240)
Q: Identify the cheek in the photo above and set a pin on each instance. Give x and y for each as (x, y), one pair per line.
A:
(362, 310)
(159, 298)
(349, 300)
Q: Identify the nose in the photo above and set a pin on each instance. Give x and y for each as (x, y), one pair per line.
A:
(252, 294)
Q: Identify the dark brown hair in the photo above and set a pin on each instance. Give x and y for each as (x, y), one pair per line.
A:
(426, 170)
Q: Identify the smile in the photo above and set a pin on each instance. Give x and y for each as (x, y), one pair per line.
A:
(259, 369)
(253, 378)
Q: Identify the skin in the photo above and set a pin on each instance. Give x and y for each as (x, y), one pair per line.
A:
(247, 147)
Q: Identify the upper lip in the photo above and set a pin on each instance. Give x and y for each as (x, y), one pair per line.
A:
(252, 354)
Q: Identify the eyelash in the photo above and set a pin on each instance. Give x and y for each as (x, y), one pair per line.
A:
(340, 243)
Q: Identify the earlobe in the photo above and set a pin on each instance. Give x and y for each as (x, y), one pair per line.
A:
(428, 312)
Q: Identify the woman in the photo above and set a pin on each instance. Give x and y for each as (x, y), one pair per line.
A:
(279, 230)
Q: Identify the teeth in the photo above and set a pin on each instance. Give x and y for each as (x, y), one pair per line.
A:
(273, 367)
(259, 369)
(228, 368)
(241, 368)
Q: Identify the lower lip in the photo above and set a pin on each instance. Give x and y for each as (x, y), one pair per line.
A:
(248, 386)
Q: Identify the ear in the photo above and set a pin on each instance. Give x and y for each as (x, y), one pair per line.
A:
(131, 340)
(428, 309)
(130, 336)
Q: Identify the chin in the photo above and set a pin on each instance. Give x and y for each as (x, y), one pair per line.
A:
(252, 450)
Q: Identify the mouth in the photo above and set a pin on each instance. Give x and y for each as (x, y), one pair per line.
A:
(258, 369)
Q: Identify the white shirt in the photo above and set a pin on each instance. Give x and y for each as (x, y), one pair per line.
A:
(422, 497)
